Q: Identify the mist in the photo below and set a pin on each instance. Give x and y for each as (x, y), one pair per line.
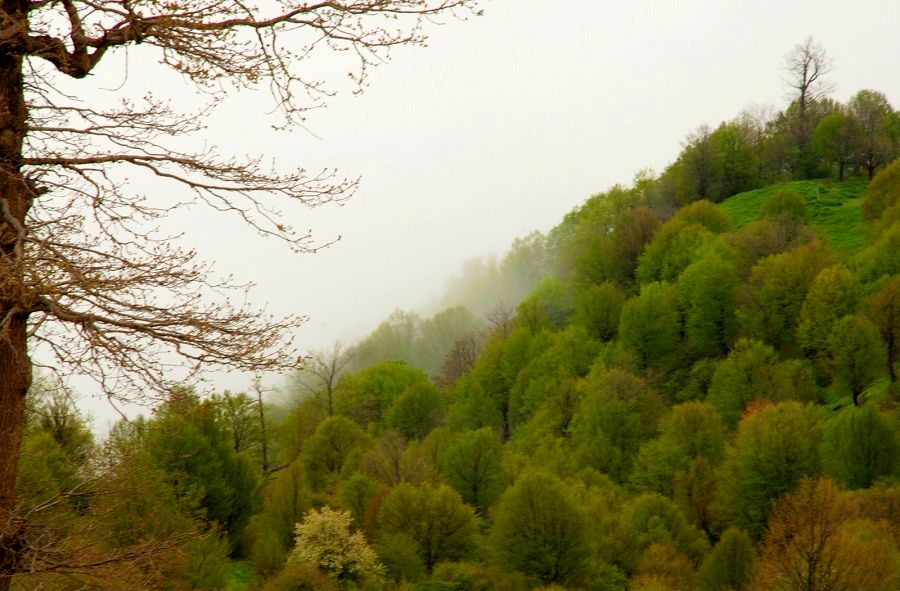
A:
(495, 130)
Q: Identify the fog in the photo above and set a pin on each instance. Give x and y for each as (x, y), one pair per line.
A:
(499, 127)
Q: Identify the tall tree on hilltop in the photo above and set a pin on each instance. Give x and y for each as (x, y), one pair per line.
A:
(805, 69)
(83, 270)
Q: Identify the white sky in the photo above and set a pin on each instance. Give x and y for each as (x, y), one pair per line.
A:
(502, 125)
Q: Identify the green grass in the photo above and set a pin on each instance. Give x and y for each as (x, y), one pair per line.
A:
(238, 577)
(833, 209)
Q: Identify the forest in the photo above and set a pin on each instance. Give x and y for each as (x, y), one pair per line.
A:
(689, 384)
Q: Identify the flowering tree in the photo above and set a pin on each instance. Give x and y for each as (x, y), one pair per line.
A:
(324, 539)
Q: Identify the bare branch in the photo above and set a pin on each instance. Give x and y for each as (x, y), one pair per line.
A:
(88, 274)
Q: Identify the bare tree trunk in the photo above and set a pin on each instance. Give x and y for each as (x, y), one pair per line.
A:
(15, 377)
(15, 366)
(257, 387)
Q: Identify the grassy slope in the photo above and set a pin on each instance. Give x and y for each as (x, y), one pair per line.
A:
(833, 207)
(238, 577)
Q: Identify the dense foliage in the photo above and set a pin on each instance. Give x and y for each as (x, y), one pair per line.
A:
(685, 396)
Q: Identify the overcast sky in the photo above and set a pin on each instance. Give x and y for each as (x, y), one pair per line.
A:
(502, 125)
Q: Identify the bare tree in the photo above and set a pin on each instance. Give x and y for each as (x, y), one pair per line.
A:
(461, 358)
(805, 68)
(500, 319)
(320, 374)
(263, 432)
(84, 273)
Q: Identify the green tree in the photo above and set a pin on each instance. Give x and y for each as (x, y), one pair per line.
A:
(522, 267)
(417, 410)
(473, 407)
(618, 412)
(271, 532)
(435, 519)
(746, 374)
(570, 355)
(302, 576)
(142, 531)
(473, 465)
(883, 309)
(633, 231)
(765, 237)
(400, 556)
(240, 416)
(541, 531)
(680, 241)
(775, 448)
(549, 306)
(859, 447)
(713, 165)
(874, 117)
(698, 164)
(331, 448)
(293, 430)
(556, 413)
(785, 204)
(598, 308)
(695, 493)
(730, 565)
(583, 247)
(771, 300)
(188, 441)
(882, 193)
(837, 139)
(737, 159)
(650, 324)
(835, 292)
(478, 576)
(484, 398)
(707, 297)
(52, 410)
(703, 213)
(878, 260)
(649, 519)
(366, 396)
(857, 355)
(356, 492)
(395, 339)
(691, 430)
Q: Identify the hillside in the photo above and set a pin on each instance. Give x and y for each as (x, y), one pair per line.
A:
(833, 208)
(693, 386)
